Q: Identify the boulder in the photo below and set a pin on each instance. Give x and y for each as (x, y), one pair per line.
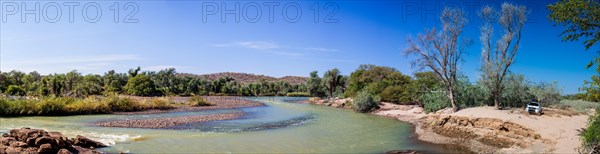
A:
(18, 144)
(43, 140)
(87, 143)
(64, 151)
(45, 149)
(13, 150)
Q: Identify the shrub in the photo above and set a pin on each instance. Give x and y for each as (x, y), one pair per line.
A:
(434, 101)
(122, 104)
(364, 102)
(298, 94)
(547, 93)
(89, 105)
(199, 101)
(161, 103)
(396, 94)
(580, 106)
(15, 90)
(591, 135)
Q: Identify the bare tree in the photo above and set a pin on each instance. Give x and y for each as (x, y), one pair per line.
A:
(441, 51)
(497, 58)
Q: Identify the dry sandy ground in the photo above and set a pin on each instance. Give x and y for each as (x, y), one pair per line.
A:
(559, 127)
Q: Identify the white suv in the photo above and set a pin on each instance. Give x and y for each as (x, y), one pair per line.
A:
(534, 107)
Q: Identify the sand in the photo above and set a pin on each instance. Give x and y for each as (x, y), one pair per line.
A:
(558, 129)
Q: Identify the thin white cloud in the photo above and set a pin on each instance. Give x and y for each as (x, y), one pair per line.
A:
(260, 45)
(322, 49)
(72, 59)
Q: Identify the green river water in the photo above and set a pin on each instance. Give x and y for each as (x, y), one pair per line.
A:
(278, 127)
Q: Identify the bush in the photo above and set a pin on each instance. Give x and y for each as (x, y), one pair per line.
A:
(547, 93)
(161, 103)
(89, 105)
(15, 91)
(298, 94)
(140, 85)
(396, 94)
(434, 101)
(591, 135)
(364, 102)
(122, 104)
(580, 106)
(199, 101)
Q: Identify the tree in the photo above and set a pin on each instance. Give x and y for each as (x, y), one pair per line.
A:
(497, 58)
(114, 82)
(314, 86)
(332, 80)
(582, 21)
(580, 17)
(15, 90)
(442, 51)
(140, 85)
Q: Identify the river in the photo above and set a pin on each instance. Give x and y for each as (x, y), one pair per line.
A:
(278, 127)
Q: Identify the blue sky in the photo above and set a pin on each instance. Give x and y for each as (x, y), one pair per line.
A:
(191, 37)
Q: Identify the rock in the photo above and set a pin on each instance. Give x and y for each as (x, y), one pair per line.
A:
(87, 143)
(13, 150)
(18, 144)
(27, 140)
(403, 152)
(45, 148)
(43, 140)
(64, 151)
(6, 140)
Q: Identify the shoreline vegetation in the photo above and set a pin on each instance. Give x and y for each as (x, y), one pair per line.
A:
(116, 104)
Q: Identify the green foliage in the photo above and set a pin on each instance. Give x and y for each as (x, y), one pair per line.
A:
(15, 90)
(199, 101)
(591, 135)
(332, 80)
(364, 102)
(580, 17)
(140, 85)
(386, 82)
(580, 106)
(516, 91)
(434, 101)
(397, 94)
(298, 94)
(122, 104)
(547, 93)
(314, 86)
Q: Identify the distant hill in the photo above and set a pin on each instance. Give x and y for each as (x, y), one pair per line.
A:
(249, 78)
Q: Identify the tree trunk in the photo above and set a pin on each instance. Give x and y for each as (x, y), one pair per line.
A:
(496, 100)
(452, 100)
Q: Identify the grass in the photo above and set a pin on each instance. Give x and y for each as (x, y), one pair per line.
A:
(77, 106)
(297, 94)
(199, 101)
(580, 106)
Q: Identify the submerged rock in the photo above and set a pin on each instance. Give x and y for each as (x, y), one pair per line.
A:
(27, 140)
(403, 152)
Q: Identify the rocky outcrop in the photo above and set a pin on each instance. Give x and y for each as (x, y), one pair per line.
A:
(493, 133)
(27, 140)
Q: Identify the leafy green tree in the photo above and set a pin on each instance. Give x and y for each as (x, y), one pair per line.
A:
(580, 17)
(91, 85)
(15, 90)
(31, 82)
(497, 58)
(140, 85)
(332, 80)
(314, 86)
(114, 82)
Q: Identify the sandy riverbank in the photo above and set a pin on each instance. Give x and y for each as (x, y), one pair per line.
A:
(486, 130)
